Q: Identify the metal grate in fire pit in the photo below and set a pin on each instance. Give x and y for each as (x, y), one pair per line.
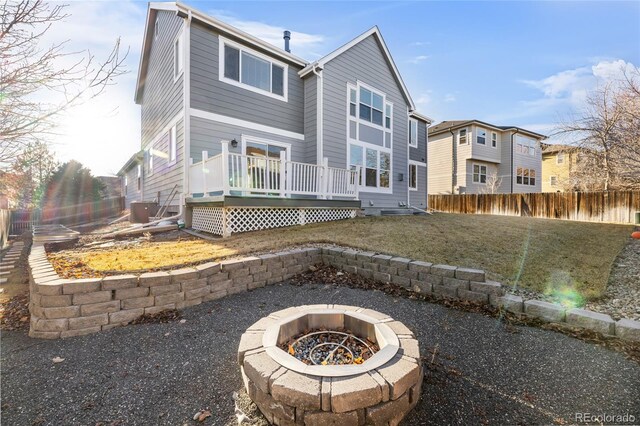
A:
(330, 347)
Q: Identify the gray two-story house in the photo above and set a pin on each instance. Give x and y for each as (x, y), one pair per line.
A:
(251, 136)
(474, 157)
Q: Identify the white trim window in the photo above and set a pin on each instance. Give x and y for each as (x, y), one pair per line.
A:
(173, 145)
(494, 140)
(526, 146)
(553, 180)
(150, 161)
(525, 176)
(178, 56)
(368, 108)
(413, 133)
(462, 137)
(560, 158)
(481, 137)
(479, 173)
(156, 29)
(246, 68)
(139, 177)
(413, 177)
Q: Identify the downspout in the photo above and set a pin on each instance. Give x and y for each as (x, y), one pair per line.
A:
(186, 87)
(512, 152)
(454, 172)
(319, 113)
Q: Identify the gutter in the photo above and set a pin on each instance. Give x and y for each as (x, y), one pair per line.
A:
(512, 153)
(319, 113)
(186, 87)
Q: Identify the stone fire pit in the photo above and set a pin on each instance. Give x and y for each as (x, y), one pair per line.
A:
(290, 383)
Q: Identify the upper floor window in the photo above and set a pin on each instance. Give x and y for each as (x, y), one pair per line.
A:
(560, 158)
(178, 56)
(387, 116)
(462, 136)
(479, 173)
(526, 146)
(494, 139)
(413, 133)
(156, 28)
(172, 145)
(371, 106)
(253, 71)
(481, 137)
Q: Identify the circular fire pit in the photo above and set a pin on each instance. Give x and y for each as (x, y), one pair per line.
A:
(331, 364)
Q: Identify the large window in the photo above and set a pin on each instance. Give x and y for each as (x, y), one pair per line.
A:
(371, 106)
(526, 146)
(253, 71)
(481, 137)
(178, 56)
(375, 166)
(525, 176)
(413, 177)
(413, 133)
(479, 173)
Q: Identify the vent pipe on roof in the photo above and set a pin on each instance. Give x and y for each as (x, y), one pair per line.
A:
(287, 37)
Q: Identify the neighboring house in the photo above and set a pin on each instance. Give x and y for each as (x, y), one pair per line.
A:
(112, 186)
(248, 130)
(558, 161)
(474, 157)
(131, 179)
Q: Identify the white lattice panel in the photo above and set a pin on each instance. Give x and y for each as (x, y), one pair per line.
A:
(253, 219)
(208, 219)
(328, 215)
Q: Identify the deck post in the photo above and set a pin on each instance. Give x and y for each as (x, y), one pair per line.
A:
(324, 179)
(188, 190)
(283, 174)
(225, 167)
(205, 156)
(356, 182)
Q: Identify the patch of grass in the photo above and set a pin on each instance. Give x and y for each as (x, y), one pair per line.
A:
(571, 259)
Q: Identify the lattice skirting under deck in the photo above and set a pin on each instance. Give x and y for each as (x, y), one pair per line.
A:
(231, 220)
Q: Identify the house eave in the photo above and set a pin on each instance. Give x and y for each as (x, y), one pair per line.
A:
(421, 117)
(490, 126)
(133, 160)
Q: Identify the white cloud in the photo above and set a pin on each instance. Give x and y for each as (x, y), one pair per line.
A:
(424, 98)
(419, 43)
(302, 44)
(418, 59)
(449, 97)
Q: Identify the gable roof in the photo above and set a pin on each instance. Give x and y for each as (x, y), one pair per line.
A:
(555, 148)
(339, 51)
(185, 11)
(445, 126)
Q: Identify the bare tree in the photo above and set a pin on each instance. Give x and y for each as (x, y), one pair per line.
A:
(608, 130)
(28, 69)
(492, 184)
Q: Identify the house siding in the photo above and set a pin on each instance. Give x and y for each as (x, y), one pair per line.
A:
(162, 101)
(439, 164)
(419, 198)
(130, 190)
(210, 94)
(364, 62)
(311, 119)
(206, 135)
(420, 152)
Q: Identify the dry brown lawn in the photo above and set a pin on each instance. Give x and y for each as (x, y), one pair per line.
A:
(540, 254)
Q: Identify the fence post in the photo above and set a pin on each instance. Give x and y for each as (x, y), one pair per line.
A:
(225, 167)
(205, 157)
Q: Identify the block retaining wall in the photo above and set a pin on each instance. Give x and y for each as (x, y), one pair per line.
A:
(71, 307)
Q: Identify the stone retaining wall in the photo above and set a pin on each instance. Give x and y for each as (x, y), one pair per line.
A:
(71, 307)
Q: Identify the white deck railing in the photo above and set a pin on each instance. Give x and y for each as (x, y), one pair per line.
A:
(228, 173)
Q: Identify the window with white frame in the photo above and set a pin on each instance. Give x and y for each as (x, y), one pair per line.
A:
(178, 56)
(462, 136)
(560, 158)
(526, 146)
(413, 132)
(481, 137)
(413, 177)
(172, 145)
(525, 176)
(246, 68)
(156, 29)
(375, 166)
(387, 116)
(371, 106)
(494, 139)
(479, 173)
(553, 180)
(150, 161)
(139, 177)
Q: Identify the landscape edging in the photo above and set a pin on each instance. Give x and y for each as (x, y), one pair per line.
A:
(72, 307)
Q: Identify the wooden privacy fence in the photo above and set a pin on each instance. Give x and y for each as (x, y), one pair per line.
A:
(24, 220)
(610, 206)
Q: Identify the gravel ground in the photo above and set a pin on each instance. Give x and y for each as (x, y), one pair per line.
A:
(483, 372)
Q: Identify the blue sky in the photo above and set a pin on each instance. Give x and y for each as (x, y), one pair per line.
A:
(511, 63)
